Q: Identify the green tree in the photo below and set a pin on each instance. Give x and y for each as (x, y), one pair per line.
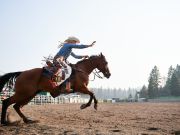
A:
(175, 84)
(143, 92)
(177, 71)
(166, 91)
(154, 80)
(170, 73)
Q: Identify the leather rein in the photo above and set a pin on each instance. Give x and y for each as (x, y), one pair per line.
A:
(96, 73)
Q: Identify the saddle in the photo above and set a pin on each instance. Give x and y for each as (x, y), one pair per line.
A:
(56, 73)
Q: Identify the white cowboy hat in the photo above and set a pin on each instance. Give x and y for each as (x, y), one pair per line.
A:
(72, 38)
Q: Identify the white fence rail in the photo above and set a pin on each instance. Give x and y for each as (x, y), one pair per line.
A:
(47, 99)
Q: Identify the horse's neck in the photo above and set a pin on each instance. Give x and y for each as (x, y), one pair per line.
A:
(87, 66)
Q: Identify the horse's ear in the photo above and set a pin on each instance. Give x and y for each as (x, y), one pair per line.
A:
(101, 54)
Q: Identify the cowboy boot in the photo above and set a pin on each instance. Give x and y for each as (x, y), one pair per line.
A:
(68, 87)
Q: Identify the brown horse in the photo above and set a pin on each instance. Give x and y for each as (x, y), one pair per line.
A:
(30, 82)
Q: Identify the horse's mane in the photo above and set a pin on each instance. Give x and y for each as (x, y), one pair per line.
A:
(91, 57)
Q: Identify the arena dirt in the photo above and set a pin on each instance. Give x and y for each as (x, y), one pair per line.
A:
(109, 119)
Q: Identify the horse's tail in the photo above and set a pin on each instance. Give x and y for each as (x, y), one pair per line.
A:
(5, 78)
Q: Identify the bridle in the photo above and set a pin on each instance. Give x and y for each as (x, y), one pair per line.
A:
(96, 73)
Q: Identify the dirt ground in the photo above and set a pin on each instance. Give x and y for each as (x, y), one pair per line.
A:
(109, 119)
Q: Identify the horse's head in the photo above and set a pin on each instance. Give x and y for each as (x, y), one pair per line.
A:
(102, 66)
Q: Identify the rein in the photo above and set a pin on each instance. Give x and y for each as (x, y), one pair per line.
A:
(78, 69)
(96, 74)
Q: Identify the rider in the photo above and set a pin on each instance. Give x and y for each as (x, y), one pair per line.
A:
(66, 50)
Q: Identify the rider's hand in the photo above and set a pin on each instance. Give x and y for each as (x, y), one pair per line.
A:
(92, 43)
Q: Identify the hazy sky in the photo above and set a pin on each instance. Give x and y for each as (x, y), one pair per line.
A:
(134, 35)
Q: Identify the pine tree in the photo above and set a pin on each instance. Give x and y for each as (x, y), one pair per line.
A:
(175, 82)
(154, 81)
(167, 90)
(170, 73)
(175, 86)
(143, 92)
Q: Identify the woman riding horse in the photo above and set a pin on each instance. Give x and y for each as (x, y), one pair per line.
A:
(28, 83)
(66, 50)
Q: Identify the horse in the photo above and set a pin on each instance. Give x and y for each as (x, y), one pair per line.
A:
(30, 82)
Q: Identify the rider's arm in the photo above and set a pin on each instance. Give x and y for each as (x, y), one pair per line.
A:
(78, 46)
(76, 56)
(81, 46)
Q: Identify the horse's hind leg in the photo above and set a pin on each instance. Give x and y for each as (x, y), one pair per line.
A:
(25, 119)
(6, 103)
(17, 107)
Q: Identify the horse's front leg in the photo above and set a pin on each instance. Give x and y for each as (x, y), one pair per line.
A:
(95, 102)
(85, 90)
(83, 106)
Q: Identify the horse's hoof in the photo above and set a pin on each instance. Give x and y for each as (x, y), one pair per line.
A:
(5, 123)
(29, 121)
(95, 106)
(83, 106)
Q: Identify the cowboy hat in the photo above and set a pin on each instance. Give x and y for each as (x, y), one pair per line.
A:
(72, 38)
